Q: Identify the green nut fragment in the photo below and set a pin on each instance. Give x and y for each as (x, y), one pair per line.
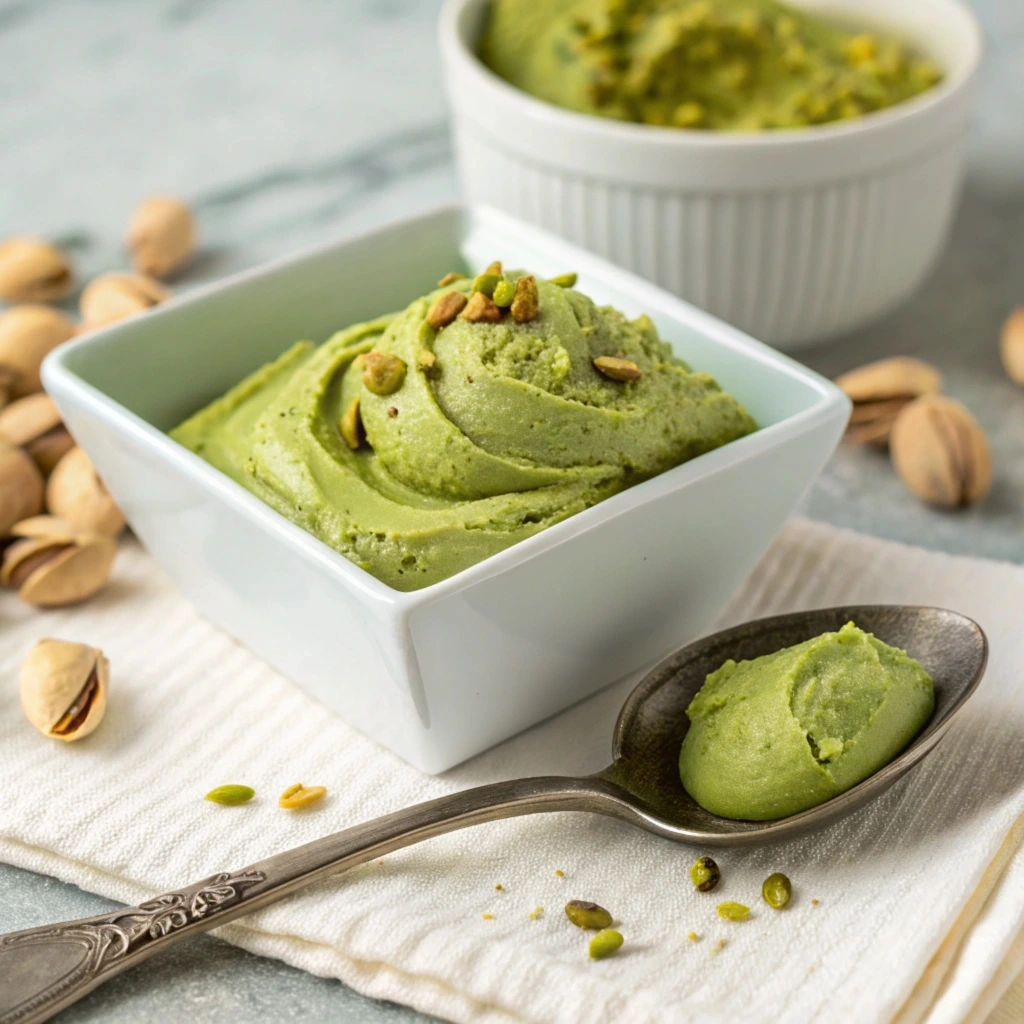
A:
(604, 943)
(351, 426)
(383, 373)
(526, 303)
(230, 795)
(587, 915)
(563, 280)
(504, 293)
(705, 874)
(450, 279)
(486, 283)
(733, 911)
(776, 890)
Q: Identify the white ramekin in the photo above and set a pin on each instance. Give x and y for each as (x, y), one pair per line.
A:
(791, 235)
(438, 674)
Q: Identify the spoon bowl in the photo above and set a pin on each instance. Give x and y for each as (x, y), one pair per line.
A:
(55, 965)
(653, 722)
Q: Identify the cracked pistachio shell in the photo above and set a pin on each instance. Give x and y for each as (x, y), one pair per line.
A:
(64, 688)
(161, 235)
(1011, 346)
(33, 423)
(76, 494)
(21, 487)
(941, 453)
(114, 296)
(32, 270)
(898, 377)
(27, 335)
(54, 570)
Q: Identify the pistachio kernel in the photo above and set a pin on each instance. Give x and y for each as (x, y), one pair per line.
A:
(605, 943)
(776, 890)
(494, 268)
(504, 293)
(481, 310)
(450, 279)
(230, 795)
(705, 874)
(588, 915)
(730, 911)
(526, 304)
(563, 280)
(618, 369)
(427, 362)
(485, 283)
(445, 309)
(299, 795)
(383, 373)
(351, 426)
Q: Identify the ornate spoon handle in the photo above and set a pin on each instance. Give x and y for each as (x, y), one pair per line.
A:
(43, 970)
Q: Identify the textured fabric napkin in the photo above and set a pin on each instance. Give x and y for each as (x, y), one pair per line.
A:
(920, 895)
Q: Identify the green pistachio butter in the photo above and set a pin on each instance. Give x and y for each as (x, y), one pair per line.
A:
(787, 731)
(730, 65)
(508, 430)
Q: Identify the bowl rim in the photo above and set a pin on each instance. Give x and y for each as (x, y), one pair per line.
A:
(63, 382)
(456, 49)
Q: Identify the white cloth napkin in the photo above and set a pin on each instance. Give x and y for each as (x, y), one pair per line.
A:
(920, 895)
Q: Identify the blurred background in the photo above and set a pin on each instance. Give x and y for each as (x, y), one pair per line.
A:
(288, 125)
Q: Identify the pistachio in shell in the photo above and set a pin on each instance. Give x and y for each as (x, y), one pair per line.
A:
(941, 453)
(880, 391)
(161, 235)
(34, 423)
(76, 494)
(32, 270)
(64, 688)
(21, 487)
(1011, 346)
(57, 569)
(27, 335)
(114, 296)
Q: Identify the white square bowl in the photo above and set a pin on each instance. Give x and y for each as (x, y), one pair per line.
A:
(441, 673)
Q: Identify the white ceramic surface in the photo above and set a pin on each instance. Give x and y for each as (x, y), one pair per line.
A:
(445, 672)
(792, 236)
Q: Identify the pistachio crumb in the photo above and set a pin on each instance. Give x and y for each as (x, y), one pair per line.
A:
(445, 309)
(616, 368)
(536, 913)
(487, 917)
(392, 411)
(499, 887)
(351, 426)
(693, 937)
(563, 280)
(814, 903)
(481, 309)
(560, 872)
(526, 303)
(450, 278)
(718, 947)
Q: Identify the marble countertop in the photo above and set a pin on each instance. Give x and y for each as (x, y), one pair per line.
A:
(291, 124)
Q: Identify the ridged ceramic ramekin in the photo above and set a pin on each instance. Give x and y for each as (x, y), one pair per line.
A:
(791, 235)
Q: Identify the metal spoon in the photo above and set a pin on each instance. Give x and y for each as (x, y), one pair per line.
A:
(46, 969)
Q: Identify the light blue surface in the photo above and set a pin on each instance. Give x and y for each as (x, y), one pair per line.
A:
(291, 124)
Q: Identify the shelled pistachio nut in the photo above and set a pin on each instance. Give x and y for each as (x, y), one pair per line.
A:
(21, 487)
(114, 296)
(880, 391)
(56, 569)
(76, 494)
(34, 423)
(161, 235)
(32, 270)
(941, 453)
(64, 688)
(27, 335)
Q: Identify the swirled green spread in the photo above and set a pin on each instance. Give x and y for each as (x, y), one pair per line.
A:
(496, 431)
(727, 65)
(785, 732)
